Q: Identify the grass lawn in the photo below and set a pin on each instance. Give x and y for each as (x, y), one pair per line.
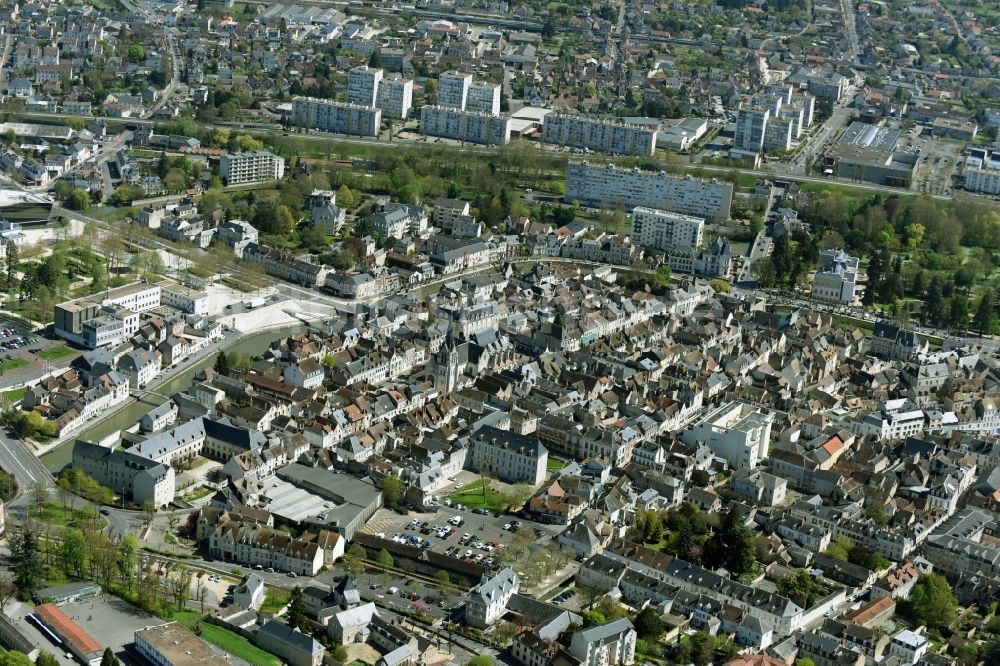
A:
(10, 397)
(13, 364)
(275, 600)
(472, 497)
(226, 640)
(554, 464)
(198, 493)
(57, 353)
(56, 514)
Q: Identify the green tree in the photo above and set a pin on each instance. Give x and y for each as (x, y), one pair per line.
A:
(285, 221)
(135, 53)
(77, 200)
(805, 661)
(15, 658)
(74, 554)
(839, 548)
(384, 559)
(443, 578)
(109, 658)
(26, 563)
(12, 254)
(480, 660)
(354, 559)
(222, 363)
(933, 310)
(392, 491)
(128, 560)
(648, 624)
(296, 613)
(246, 143)
(932, 602)
(375, 60)
(732, 546)
(877, 513)
(986, 313)
(345, 198)
(720, 286)
(345, 260)
(46, 659)
(958, 311)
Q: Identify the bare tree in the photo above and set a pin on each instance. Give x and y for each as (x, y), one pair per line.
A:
(7, 590)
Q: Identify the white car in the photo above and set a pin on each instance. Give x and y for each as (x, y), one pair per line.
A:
(459, 485)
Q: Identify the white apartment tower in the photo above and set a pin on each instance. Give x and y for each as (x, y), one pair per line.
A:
(663, 230)
(484, 98)
(751, 124)
(250, 167)
(363, 85)
(453, 90)
(395, 96)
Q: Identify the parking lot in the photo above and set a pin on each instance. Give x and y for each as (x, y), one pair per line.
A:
(478, 538)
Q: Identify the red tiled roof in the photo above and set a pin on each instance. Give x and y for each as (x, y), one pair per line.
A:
(67, 629)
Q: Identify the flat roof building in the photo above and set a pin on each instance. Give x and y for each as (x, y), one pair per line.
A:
(79, 642)
(174, 645)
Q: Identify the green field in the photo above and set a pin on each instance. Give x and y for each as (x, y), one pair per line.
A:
(228, 641)
(554, 464)
(472, 497)
(13, 364)
(275, 599)
(10, 397)
(57, 353)
(57, 514)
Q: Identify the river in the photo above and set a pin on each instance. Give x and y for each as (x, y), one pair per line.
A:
(254, 345)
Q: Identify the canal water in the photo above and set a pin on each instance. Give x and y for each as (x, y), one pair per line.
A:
(253, 345)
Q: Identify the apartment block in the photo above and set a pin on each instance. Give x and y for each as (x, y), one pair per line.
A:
(737, 432)
(363, 85)
(751, 125)
(395, 97)
(836, 277)
(257, 166)
(609, 187)
(508, 456)
(600, 133)
(453, 90)
(663, 230)
(484, 98)
(778, 133)
(123, 303)
(330, 116)
(469, 126)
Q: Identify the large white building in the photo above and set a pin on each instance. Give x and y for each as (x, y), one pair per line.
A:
(484, 98)
(363, 85)
(105, 318)
(142, 479)
(251, 167)
(751, 124)
(982, 174)
(609, 187)
(488, 601)
(329, 116)
(737, 432)
(602, 133)
(508, 456)
(663, 230)
(395, 96)
(453, 90)
(468, 126)
(601, 645)
(836, 277)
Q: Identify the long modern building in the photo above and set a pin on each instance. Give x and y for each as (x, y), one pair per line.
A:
(609, 187)
(600, 133)
(663, 230)
(256, 166)
(751, 124)
(95, 321)
(329, 116)
(468, 126)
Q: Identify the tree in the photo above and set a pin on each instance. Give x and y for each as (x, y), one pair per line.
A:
(392, 491)
(26, 563)
(284, 220)
(805, 661)
(376, 58)
(296, 613)
(443, 578)
(7, 590)
(135, 53)
(45, 659)
(77, 200)
(720, 286)
(932, 602)
(934, 305)
(958, 311)
(128, 559)
(480, 660)
(39, 492)
(345, 198)
(732, 546)
(354, 559)
(12, 253)
(648, 624)
(384, 559)
(246, 143)
(877, 513)
(222, 363)
(839, 548)
(345, 260)
(109, 658)
(74, 556)
(986, 313)
(14, 658)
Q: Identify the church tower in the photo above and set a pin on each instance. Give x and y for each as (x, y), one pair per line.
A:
(446, 365)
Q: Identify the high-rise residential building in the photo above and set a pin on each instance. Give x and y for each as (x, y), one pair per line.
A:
(609, 187)
(751, 124)
(778, 133)
(329, 116)
(600, 133)
(464, 126)
(453, 90)
(395, 96)
(484, 98)
(663, 230)
(363, 85)
(256, 166)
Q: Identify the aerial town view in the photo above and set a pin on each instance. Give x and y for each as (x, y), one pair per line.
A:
(481, 332)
